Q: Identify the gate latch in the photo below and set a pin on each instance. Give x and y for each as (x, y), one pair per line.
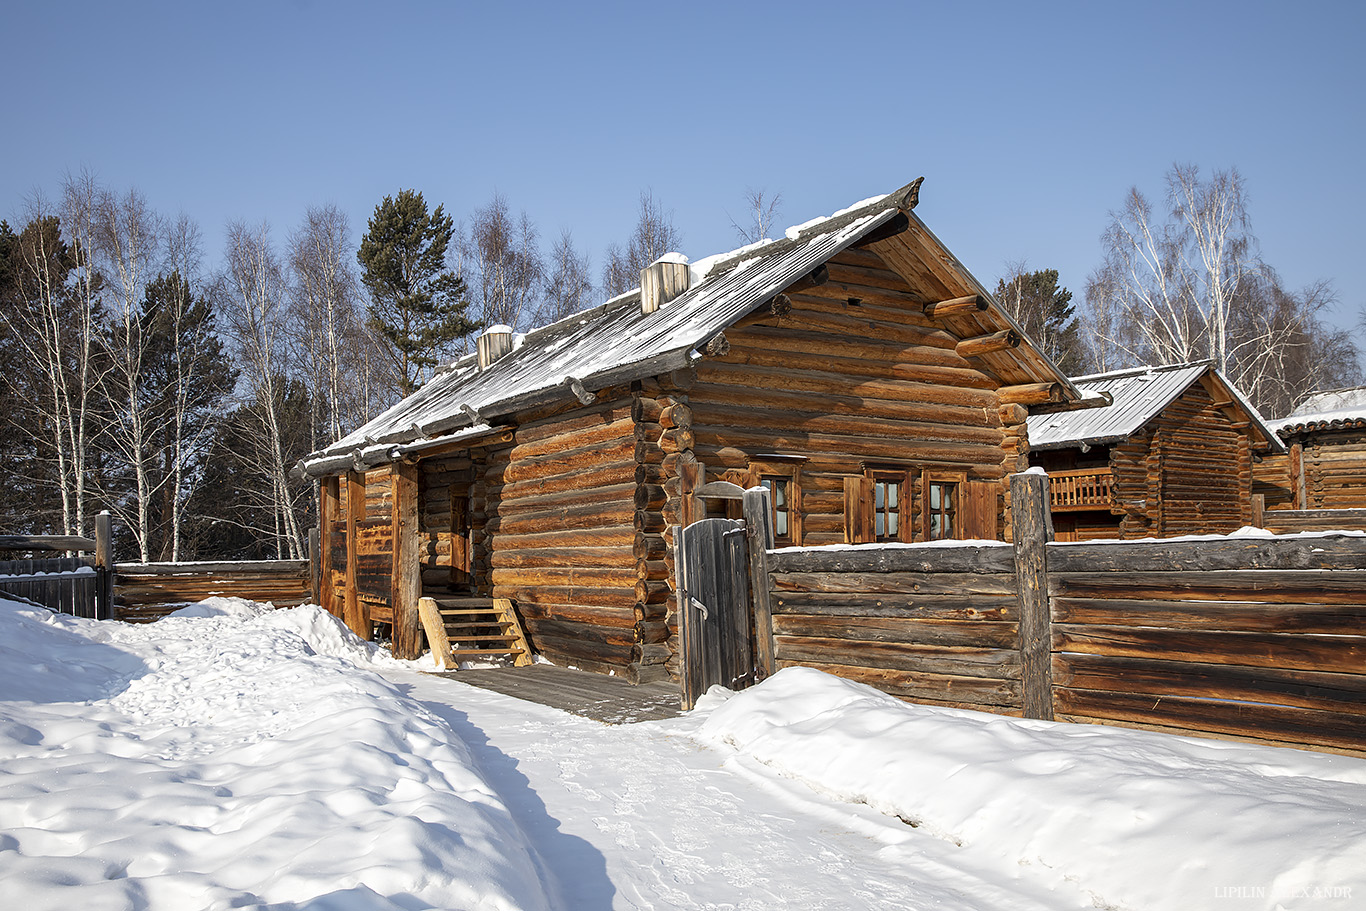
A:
(700, 606)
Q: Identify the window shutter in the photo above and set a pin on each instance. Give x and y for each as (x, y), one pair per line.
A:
(979, 509)
(858, 510)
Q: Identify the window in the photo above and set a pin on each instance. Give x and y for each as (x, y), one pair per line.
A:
(940, 497)
(780, 500)
(940, 493)
(782, 476)
(887, 506)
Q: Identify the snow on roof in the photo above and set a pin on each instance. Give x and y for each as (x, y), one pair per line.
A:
(1139, 394)
(1337, 409)
(615, 342)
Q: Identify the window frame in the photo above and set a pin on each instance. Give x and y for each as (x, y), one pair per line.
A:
(953, 481)
(788, 469)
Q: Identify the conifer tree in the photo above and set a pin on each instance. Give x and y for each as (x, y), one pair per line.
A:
(1045, 311)
(417, 303)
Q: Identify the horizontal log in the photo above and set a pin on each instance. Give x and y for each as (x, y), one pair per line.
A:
(1277, 586)
(936, 606)
(1272, 723)
(969, 558)
(966, 633)
(589, 615)
(46, 543)
(1293, 651)
(945, 688)
(605, 536)
(973, 662)
(905, 448)
(963, 377)
(242, 568)
(1227, 616)
(1327, 552)
(1306, 689)
(586, 477)
(901, 582)
(719, 375)
(586, 557)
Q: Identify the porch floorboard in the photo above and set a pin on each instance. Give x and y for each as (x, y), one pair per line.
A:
(611, 700)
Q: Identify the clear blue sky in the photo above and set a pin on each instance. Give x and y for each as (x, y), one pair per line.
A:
(1029, 121)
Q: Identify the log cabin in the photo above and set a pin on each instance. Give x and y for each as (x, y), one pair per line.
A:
(1324, 466)
(1171, 455)
(854, 367)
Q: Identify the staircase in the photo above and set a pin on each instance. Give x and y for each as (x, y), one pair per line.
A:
(461, 629)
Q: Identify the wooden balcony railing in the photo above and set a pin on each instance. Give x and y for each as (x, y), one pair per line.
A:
(1081, 488)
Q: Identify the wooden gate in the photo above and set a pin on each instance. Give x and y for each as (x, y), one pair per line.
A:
(714, 615)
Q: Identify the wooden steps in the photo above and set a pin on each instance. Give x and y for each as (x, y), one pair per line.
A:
(462, 628)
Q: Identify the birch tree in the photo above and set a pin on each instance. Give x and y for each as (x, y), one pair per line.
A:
(43, 348)
(1191, 285)
(254, 300)
(569, 286)
(654, 235)
(504, 252)
(126, 234)
(326, 322)
(761, 214)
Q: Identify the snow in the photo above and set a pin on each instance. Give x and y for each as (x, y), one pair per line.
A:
(236, 756)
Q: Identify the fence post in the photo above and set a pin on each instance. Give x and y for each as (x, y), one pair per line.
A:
(1259, 510)
(104, 567)
(1031, 530)
(759, 531)
(314, 567)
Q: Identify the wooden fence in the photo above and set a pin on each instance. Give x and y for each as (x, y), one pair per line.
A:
(1248, 638)
(147, 591)
(75, 585)
(1290, 521)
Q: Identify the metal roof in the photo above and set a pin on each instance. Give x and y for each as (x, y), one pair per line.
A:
(615, 342)
(1138, 395)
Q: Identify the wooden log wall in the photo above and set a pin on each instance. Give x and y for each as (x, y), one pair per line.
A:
(559, 531)
(853, 372)
(1335, 469)
(1294, 521)
(1189, 472)
(937, 625)
(1246, 638)
(1272, 479)
(374, 544)
(148, 591)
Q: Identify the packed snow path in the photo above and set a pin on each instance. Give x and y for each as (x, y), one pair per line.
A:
(643, 817)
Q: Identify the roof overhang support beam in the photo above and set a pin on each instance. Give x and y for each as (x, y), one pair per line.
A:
(972, 303)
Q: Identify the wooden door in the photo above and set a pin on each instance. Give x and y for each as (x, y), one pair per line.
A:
(713, 598)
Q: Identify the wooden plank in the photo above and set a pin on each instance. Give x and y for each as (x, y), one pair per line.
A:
(354, 611)
(907, 606)
(406, 575)
(1346, 654)
(759, 541)
(921, 686)
(1273, 686)
(973, 558)
(968, 633)
(1226, 616)
(961, 660)
(47, 542)
(1319, 552)
(1277, 723)
(433, 624)
(1289, 586)
(896, 582)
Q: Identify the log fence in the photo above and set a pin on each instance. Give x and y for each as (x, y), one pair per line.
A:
(1255, 638)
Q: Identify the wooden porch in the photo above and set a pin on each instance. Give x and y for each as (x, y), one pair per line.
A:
(1081, 489)
(611, 700)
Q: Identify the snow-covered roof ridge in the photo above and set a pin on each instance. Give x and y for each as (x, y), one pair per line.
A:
(1332, 409)
(1138, 394)
(611, 342)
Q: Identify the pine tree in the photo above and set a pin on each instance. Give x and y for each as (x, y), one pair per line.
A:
(1045, 311)
(417, 304)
